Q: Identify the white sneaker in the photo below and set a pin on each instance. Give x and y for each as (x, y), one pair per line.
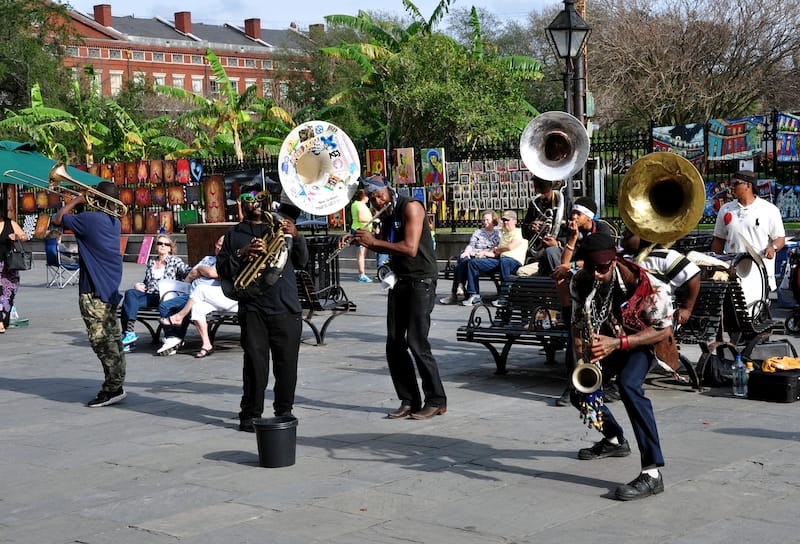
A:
(460, 291)
(472, 300)
(450, 299)
(169, 343)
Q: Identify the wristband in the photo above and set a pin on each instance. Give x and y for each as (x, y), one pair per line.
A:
(569, 247)
(624, 343)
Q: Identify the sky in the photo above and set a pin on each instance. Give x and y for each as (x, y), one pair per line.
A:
(303, 13)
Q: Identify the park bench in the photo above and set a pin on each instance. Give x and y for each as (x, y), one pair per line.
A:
(525, 316)
(331, 300)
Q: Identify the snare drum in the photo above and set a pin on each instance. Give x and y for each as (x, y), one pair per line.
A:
(752, 276)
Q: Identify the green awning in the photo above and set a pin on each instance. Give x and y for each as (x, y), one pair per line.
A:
(21, 164)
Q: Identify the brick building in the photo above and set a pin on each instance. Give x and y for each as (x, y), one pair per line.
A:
(172, 52)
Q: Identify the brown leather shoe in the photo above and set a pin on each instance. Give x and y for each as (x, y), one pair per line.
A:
(429, 411)
(400, 413)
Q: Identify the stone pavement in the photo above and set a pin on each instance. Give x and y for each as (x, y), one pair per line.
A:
(167, 465)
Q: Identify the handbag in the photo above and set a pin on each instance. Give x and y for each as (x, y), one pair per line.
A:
(18, 258)
(714, 369)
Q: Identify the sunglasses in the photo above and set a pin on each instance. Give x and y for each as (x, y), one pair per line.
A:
(602, 268)
(163, 244)
(738, 182)
(506, 219)
(247, 197)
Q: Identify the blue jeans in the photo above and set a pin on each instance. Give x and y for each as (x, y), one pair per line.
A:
(506, 265)
(172, 306)
(135, 299)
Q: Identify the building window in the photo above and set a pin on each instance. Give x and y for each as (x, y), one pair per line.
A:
(94, 52)
(266, 64)
(138, 55)
(213, 88)
(249, 63)
(139, 78)
(197, 85)
(284, 90)
(115, 80)
(115, 53)
(177, 81)
(249, 83)
(158, 57)
(197, 59)
(177, 59)
(266, 86)
(160, 79)
(72, 51)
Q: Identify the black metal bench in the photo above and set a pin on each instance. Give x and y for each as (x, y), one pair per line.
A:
(330, 299)
(525, 317)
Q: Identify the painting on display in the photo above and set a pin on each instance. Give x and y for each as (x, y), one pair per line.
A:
(684, 140)
(404, 173)
(376, 162)
(738, 138)
(787, 136)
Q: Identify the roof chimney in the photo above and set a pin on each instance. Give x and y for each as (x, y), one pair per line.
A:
(252, 28)
(102, 14)
(183, 21)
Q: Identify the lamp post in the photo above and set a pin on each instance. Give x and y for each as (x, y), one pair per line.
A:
(567, 34)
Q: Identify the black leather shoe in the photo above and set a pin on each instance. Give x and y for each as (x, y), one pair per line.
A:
(604, 449)
(428, 412)
(400, 413)
(564, 399)
(246, 425)
(643, 486)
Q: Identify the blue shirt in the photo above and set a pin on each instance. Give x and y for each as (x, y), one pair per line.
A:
(98, 235)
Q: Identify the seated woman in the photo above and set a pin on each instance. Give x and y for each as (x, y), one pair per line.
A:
(205, 298)
(166, 265)
(69, 252)
(481, 244)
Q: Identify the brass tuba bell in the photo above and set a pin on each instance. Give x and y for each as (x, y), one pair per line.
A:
(554, 145)
(662, 197)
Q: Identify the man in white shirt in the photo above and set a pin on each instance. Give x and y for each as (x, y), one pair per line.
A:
(749, 220)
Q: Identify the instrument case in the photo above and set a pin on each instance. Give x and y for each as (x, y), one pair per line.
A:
(780, 386)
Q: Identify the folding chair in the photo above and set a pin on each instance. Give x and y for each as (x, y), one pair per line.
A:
(58, 274)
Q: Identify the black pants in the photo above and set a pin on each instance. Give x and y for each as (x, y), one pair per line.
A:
(408, 322)
(261, 335)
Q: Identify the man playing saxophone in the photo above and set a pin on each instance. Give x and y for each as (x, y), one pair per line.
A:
(629, 313)
(270, 312)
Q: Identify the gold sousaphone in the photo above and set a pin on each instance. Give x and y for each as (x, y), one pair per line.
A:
(661, 199)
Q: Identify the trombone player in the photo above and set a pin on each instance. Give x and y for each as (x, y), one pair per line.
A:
(620, 314)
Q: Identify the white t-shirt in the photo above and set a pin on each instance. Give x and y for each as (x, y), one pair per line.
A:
(758, 224)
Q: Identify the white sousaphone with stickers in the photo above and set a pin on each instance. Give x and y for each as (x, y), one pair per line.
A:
(318, 167)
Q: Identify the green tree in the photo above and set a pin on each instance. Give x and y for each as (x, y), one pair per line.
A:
(220, 120)
(33, 35)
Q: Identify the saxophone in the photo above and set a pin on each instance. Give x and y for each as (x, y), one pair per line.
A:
(587, 378)
(263, 270)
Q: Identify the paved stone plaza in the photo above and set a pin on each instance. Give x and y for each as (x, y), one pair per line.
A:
(168, 465)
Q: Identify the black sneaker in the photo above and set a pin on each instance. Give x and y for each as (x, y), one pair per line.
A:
(246, 425)
(643, 486)
(107, 398)
(604, 449)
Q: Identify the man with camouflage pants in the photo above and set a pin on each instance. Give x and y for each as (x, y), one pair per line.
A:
(98, 235)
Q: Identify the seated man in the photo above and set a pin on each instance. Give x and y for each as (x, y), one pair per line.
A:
(507, 258)
(204, 272)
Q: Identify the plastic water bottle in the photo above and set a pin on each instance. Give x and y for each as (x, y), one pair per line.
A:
(739, 378)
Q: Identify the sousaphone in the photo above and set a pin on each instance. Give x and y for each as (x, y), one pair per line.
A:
(318, 167)
(554, 145)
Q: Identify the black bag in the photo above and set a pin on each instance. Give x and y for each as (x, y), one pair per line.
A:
(714, 369)
(18, 258)
(780, 386)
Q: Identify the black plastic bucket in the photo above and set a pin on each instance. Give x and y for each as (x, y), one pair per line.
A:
(277, 439)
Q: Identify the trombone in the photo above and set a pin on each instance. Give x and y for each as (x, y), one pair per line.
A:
(58, 175)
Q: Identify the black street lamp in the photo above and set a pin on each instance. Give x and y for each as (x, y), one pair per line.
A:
(567, 34)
